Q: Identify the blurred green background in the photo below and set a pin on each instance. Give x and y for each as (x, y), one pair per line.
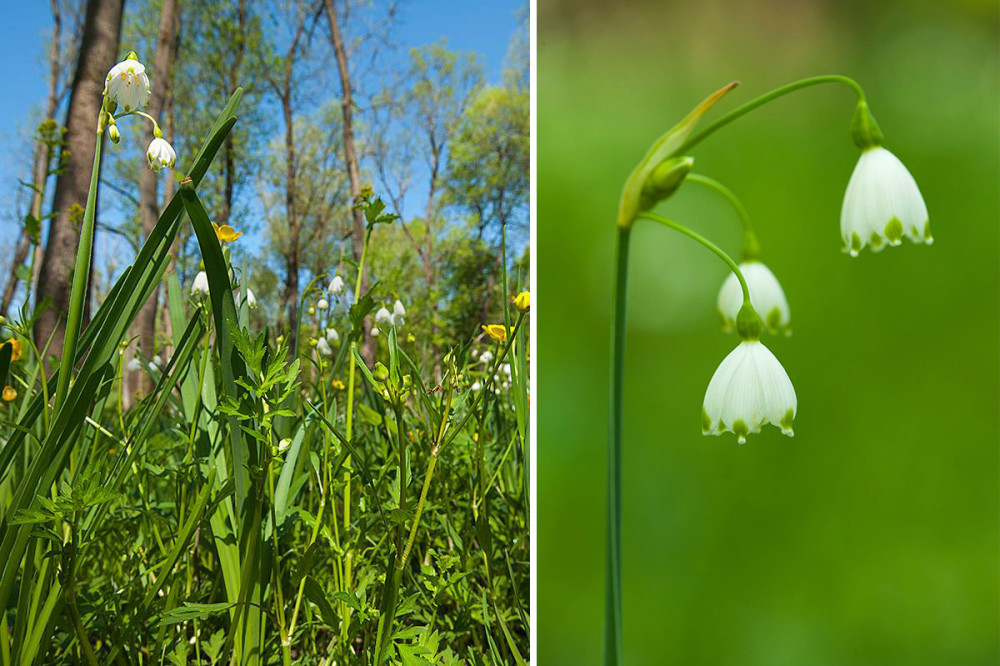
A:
(872, 536)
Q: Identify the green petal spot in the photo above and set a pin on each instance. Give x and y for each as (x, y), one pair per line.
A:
(894, 230)
(875, 240)
(927, 231)
(856, 244)
(786, 420)
(722, 426)
(727, 324)
(774, 320)
(740, 429)
(706, 422)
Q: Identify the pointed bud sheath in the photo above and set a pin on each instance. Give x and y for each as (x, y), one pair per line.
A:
(883, 202)
(634, 195)
(766, 295)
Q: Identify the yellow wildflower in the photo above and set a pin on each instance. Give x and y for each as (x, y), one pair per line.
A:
(496, 331)
(225, 233)
(523, 301)
(15, 352)
(339, 385)
(9, 393)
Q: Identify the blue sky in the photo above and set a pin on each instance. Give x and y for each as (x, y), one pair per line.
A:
(484, 27)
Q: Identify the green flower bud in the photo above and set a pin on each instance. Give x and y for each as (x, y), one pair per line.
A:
(664, 180)
(381, 373)
(864, 129)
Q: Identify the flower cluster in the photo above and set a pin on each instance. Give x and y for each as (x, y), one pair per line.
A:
(127, 88)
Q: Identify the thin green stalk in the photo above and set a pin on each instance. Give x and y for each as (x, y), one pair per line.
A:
(348, 557)
(751, 246)
(677, 226)
(764, 99)
(81, 274)
(613, 578)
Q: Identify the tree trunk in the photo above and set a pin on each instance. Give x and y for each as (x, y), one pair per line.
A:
(42, 159)
(291, 295)
(98, 53)
(351, 158)
(149, 202)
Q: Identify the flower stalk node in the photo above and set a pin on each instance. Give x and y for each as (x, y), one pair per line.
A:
(864, 130)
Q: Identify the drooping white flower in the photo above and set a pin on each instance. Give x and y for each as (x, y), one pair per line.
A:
(505, 369)
(749, 389)
(398, 314)
(336, 285)
(251, 299)
(128, 85)
(157, 360)
(375, 331)
(766, 296)
(134, 365)
(332, 336)
(284, 445)
(476, 386)
(383, 317)
(323, 347)
(486, 357)
(882, 204)
(200, 287)
(323, 304)
(160, 154)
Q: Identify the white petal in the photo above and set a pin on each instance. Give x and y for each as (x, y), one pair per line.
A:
(766, 296)
(882, 204)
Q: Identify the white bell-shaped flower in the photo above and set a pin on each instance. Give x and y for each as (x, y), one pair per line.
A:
(476, 386)
(128, 85)
(398, 314)
(323, 347)
(160, 154)
(486, 357)
(882, 204)
(134, 365)
(375, 331)
(749, 389)
(251, 299)
(199, 289)
(766, 295)
(323, 304)
(383, 317)
(336, 285)
(332, 336)
(505, 369)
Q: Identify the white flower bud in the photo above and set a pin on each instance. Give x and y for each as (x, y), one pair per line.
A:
(398, 314)
(323, 304)
(882, 203)
(332, 336)
(749, 389)
(323, 347)
(486, 357)
(200, 287)
(114, 134)
(127, 85)
(336, 285)
(251, 299)
(766, 297)
(134, 365)
(284, 444)
(383, 317)
(476, 386)
(160, 154)
(375, 331)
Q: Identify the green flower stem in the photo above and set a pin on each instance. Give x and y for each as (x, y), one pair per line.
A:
(613, 589)
(751, 246)
(676, 226)
(613, 579)
(81, 275)
(156, 127)
(348, 557)
(764, 99)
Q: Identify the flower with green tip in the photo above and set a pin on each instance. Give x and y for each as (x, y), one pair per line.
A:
(882, 205)
(160, 154)
(128, 85)
(200, 287)
(383, 317)
(766, 295)
(749, 389)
